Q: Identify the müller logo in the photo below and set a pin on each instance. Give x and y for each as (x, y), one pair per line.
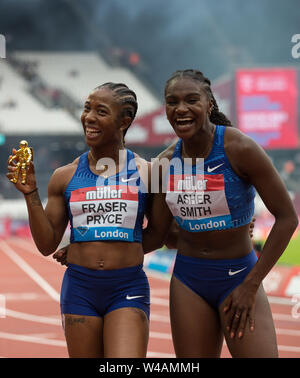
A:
(2, 47)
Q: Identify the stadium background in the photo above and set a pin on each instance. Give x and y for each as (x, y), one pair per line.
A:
(58, 50)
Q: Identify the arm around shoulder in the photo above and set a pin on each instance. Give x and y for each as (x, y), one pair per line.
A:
(160, 217)
(156, 233)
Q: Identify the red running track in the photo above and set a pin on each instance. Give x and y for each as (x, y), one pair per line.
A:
(31, 327)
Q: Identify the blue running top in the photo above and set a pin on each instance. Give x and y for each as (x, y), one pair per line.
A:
(109, 208)
(208, 196)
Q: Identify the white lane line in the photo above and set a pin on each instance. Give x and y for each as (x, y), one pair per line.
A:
(31, 248)
(285, 317)
(286, 301)
(288, 348)
(159, 318)
(55, 295)
(57, 321)
(43, 335)
(272, 300)
(162, 292)
(160, 335)
(60, 343)
(283, 348)
(32, 339)
(164, 277)
(159, 301)
(288, 332)
(33, 318)
(153, 317)
(160, 354)
(29, 270)
(279, 331)
(29, 296)
(276, 315)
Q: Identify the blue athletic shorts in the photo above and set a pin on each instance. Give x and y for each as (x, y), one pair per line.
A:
(213, 280)
(97, 292)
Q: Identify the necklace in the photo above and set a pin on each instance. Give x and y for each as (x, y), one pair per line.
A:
(101, 168)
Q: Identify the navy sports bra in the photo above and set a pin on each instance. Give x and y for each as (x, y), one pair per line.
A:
(110, 208)
(210, 196)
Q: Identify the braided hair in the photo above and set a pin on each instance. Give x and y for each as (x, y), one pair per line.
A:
(216, 117)
(126, 97)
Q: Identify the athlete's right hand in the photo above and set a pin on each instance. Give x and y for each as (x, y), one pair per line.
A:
(30, 176)
(61, 255)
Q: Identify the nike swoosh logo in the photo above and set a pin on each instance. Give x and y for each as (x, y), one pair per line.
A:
(213, 168)
(130, 179)
(133, 297)
(232, 273)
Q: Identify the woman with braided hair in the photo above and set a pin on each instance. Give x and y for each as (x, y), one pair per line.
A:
(105, 292)
(212, 173)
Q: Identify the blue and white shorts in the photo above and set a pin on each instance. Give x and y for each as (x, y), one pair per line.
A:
(213, 280)
(97, 292)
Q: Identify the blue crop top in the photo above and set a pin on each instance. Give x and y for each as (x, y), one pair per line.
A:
(209, 196)
(110, 208)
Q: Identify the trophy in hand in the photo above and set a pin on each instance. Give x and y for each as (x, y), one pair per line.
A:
(23, 157)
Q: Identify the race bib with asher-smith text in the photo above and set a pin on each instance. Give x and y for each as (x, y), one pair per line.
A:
(104, 212)
(198, 202)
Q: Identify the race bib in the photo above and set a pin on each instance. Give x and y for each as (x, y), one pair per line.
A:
(104, 213)
(198, 202)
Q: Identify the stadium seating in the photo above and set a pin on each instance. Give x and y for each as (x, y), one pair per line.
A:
(29, 111)
(21, 112)
(77, 73)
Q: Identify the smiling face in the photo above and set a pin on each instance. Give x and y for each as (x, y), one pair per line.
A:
(187, 106)
(101, 119)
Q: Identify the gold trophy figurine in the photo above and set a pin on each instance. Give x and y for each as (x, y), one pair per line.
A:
(23, 157)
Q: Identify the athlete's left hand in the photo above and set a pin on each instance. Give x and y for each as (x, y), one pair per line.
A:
(61, 255)
(239, 309)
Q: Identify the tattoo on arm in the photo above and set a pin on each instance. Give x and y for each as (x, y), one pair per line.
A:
(35, 200)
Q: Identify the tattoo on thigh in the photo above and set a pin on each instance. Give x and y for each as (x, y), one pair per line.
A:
(73, 321)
